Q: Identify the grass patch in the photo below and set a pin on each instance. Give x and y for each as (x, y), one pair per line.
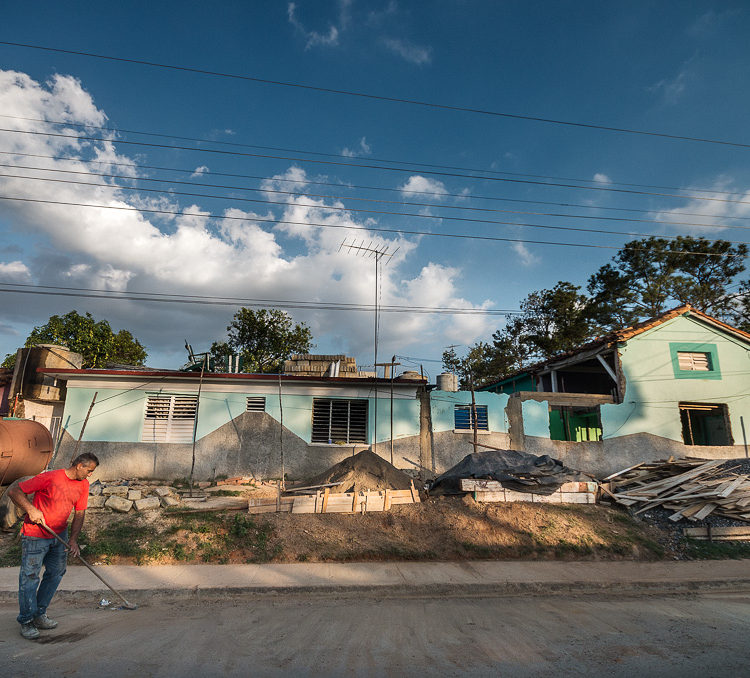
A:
(227, 493)
(706, 550)
(12, 556)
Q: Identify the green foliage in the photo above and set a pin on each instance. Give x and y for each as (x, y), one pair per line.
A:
(706, 550)
(264, 339)
(95, 341)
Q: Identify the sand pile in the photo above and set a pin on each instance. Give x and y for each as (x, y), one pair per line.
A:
(364, 471)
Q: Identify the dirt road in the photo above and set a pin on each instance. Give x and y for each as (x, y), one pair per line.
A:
(701, 635)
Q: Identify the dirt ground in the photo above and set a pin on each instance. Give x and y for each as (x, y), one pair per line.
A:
(445, 528)
(676, 636)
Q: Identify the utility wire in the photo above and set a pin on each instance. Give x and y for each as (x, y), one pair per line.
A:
(357, 186)
(368, 166)
(375, 97)
(198, 298)
(354, 209)
(365, 229)
(237, 144)
(307, 194)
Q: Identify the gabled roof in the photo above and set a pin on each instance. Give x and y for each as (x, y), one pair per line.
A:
(611, 339)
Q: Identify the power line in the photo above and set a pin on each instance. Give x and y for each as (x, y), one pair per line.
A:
(367, 166)
(366, 229)
(375, 97)
(361, 187)
(234, 301)
(356, 209)
(238, 144)
(341, 197)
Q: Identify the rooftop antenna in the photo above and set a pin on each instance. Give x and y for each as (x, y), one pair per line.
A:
(377, 252)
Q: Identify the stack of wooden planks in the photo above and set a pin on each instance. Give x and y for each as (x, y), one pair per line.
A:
(492, 490)
(691, 488)
(326, 501)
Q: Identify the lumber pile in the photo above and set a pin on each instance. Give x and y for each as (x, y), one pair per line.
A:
(567, 493)
(691, 488)
(325, 501)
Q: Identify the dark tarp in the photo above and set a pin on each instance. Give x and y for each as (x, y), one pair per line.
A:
(515, 470)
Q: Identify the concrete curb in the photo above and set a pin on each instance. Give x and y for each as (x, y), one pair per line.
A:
(494, 590)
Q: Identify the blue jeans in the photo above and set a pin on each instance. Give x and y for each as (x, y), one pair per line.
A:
(33, 597)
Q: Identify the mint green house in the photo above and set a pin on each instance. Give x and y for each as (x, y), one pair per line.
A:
(676, 384)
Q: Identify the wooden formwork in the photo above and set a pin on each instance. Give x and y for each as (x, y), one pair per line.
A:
(326, 501)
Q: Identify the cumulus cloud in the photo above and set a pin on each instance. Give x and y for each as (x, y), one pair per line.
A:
(199, 171)
(408, 51)
(417, 185)
(292, 252)
(602, 178)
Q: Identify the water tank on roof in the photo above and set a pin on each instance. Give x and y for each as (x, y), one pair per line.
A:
(34, 386)
(447, 382)
(25, 449)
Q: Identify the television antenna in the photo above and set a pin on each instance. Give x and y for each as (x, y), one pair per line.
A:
(378, 253)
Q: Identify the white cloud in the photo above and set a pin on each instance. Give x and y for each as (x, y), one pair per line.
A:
(417, 185)
(526, 257)
(717, 209)
(602, 178)
(199, 171)
(409, 51)
(313, 38)
(14, 271)
(671, 90)
(238, 253)
(364, 149)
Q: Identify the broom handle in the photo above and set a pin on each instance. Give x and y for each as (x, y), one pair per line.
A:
(80, 557)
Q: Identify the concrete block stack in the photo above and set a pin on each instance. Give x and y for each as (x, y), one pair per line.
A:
(123, 496)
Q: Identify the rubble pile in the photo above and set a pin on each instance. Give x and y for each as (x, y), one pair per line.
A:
(123, 495)
(690, 488)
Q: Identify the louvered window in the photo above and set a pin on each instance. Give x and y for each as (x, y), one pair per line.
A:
(694, 362)
(464, 420)
(256, 404)
(339, 421)
(169, 419)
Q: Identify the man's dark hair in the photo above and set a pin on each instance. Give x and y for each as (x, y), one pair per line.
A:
(86, 458)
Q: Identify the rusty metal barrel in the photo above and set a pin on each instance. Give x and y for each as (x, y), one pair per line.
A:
(25, 449)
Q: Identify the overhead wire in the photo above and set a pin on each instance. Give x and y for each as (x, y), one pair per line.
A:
(376, 97)
(337, 208)
(279, 179)
(357, 198)
(351, 227)
(234, 301)
(371, 166)
(371, 158)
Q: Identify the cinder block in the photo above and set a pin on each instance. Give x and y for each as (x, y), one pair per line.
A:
(116, 490)
(168, 501)
(163, 491)
(97, 501)
(119, 504)
(134, 495)
(147, 504)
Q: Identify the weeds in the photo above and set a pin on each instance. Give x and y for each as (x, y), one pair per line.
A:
(705, 550)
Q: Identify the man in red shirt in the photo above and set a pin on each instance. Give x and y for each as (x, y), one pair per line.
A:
(56, 494)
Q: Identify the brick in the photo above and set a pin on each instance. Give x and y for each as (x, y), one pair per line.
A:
(97, 501)
(118, 504)
(147, 504)
(135, 495)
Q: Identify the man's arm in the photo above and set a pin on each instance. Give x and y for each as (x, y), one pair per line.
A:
(75, 530)
(20, 500)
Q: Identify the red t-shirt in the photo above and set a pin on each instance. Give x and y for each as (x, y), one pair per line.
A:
(56, 496)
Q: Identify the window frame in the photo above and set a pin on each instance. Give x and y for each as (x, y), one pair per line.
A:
(483, 419)
(362, 427)
(176, 429)
(691, 347)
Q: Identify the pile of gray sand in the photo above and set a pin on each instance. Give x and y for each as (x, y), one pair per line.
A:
(364, 471)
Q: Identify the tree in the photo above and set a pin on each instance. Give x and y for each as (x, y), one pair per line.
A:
(648, 276)
(264, 339)
(95, 341)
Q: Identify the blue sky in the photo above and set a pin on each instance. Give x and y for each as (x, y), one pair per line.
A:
(674, 67)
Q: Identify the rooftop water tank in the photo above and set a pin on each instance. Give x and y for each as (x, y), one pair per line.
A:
(447, 382)
(25, 449)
